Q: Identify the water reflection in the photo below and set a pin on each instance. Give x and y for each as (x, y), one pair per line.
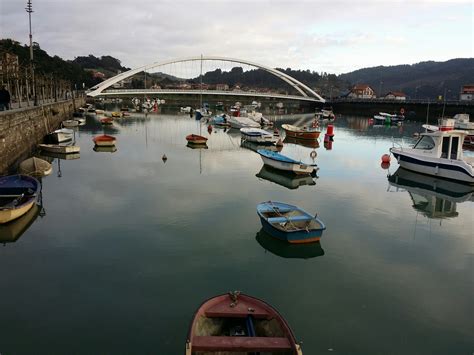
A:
(435, 198)
(255, 146)
(105, 149)
(287, 250)
(12, 231)
(285, 178)
(304, 142)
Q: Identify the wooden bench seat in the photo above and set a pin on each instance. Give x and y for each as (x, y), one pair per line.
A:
(244, 344)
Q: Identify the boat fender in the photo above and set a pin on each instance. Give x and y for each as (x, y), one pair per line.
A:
(386, 158)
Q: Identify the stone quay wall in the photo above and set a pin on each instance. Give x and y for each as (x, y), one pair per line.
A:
(22, 129)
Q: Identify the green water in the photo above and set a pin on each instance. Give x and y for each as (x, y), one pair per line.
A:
(127, 247)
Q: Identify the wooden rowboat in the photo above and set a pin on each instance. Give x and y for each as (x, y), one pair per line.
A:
(235, 323)
(104, 140)
(70, 123)
(301, 133)
(196, 139)
(35, 167)
(106, 120)
(60, 149)
(282, 162)
(289, 223)
(18, 193)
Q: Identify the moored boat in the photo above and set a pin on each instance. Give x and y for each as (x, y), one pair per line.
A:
(18, 193)
(35, 167)
(196, 139)
(220, 120)
(104, 140)
(289, 223)
(440, 154)
(70, 123)
(282, 162)
(258, 135)
(60, 149)
(301, 133)
(106, 121)
(61, 135)
(116, 114)
(241, 122)
(236, 323)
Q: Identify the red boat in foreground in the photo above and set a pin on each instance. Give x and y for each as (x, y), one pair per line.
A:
(104, 140)
(301, 133)
(237, 323)
(196, 139)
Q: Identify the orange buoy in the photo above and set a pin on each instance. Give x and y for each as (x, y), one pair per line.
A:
(209, 128)
(386, 158)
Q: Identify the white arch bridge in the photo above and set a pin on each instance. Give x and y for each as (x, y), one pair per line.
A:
(106, 88)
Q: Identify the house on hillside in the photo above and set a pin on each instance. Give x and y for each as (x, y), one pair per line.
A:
(222, 87)
(396, 95)
(362, 91)
(467, 93)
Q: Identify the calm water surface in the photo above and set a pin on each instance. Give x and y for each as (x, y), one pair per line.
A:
(127, 246)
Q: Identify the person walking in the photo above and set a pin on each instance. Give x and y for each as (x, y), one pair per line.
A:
(4, 99)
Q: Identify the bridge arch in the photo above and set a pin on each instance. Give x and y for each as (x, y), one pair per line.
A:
(303, 89)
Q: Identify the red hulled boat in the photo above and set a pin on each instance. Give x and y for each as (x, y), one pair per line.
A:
(106, 120)
(237, 323)
(301, 133)
(196, 139)
(104, 140)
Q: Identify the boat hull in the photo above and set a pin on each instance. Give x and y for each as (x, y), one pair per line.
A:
(293, 167)
(196, 139)
(104, 141)
(298, 237)
(24, 189)
(258, 136)
(450, 169)
(295, 132)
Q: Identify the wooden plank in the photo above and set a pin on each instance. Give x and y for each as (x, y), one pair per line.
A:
(240, 310)
(216, 343)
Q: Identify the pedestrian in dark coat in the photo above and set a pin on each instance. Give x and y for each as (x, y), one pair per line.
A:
(4, 99)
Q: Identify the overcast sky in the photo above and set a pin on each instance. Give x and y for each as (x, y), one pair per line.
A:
(332, 36)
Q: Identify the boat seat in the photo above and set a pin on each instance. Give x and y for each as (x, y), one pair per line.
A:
(275, 209)
(240, 310)
(273, 220)
(244, 344)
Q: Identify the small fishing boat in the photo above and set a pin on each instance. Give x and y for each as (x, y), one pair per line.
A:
(104, 140)
(186, 109)
(258, 135)
(60, 149)
(18, 193)
(61, 135)
(236, 323)
(70, 123)
(99, 112)
(35, 167)
(289, 223)
(116, 114)
(196, 139)
(301, 133)
(282, 162)
(220, 120)
(440, 154)
(287, 250)
(241, 122)
(106, 121)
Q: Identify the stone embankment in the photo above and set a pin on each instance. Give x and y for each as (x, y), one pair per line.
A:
(22, 129)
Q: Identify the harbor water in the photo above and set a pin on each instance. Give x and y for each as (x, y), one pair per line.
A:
(125, 246)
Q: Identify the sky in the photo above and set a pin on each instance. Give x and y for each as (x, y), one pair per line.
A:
(324, 36)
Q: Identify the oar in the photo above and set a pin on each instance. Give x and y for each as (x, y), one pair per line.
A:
(16, 196)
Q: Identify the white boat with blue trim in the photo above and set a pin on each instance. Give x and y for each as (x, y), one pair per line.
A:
(440, 154)
(282, 162)
(258, 135)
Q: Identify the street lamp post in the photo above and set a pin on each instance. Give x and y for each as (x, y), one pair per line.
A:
(29, 9)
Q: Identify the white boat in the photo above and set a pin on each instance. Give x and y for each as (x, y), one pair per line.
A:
(35, 167)
(241, 122)
(258, 135)
(461, 121)
(282, 162)
(258, 117)
(60, 149)
(62, 135)
(70, 123)
(186, 109)
(440, 154)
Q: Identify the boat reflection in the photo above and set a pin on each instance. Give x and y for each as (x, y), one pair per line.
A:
(435, 198)
(12, 231)
(197, 146)
(286, 179)
(255, 146)
(105, 149)
(71, 156)
(303, 142)
(287, 250)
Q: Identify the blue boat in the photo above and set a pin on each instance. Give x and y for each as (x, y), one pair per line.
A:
(282, 162)
(18, 193)
(289, 223)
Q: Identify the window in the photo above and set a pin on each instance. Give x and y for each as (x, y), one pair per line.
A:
(454, 148)
(445, 148)
(425, 142)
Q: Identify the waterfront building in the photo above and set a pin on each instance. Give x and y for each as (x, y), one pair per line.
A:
(222, 87)
(396, 95)
(467, 93)
(362, 91)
